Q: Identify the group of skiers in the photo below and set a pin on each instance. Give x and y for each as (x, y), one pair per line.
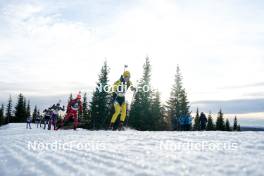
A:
(51, 114)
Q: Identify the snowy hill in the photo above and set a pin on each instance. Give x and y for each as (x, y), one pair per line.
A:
(82, 152)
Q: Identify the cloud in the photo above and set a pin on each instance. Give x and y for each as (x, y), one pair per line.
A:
(44, 48)
(257, 84)
(256, 94)
(44, 88)
(231, 106)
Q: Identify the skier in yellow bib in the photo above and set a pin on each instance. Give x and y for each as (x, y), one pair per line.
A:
(119, 89)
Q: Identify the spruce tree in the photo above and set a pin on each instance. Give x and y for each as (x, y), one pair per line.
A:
(235, 124)
(184, 103)
(38, 114)
(140, 113)
(85, 113)
(80, 115)
(238, 128)
(8, 115)
(227, 125)
(100, 105)
(28, 111)
(20, 109)
(35, 114)
(220, 123)
(197, 125)
(2, 118)
(178, 104)
(210, 124)
(157, 114)
(166, 121)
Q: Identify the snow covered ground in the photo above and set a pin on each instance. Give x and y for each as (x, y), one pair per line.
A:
(82, 152)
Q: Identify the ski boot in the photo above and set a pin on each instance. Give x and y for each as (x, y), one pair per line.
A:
(49, 127)
(111, 126)
(121, 127)
(75, 127)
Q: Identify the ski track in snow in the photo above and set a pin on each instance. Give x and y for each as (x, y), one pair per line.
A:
(128, 153)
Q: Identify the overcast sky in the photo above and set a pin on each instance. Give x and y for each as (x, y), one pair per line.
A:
(49, 49)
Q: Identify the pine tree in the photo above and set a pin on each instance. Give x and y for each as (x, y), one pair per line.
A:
(238, 128)
(220, 123)
(2, 118)
(20, 109)
(80, 115)
(25, 109)
(210, 124)
(184, 103)
(235, 124)
(166, 121)
(9, 107)
(140, 113)
(178, 104)
(38, 114)
(85, 113)
(100, 105)
(28, 109)
(157, 114)
(197, 125)
(227, 125)
(35, 114)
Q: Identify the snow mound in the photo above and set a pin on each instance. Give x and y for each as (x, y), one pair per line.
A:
(82, 152)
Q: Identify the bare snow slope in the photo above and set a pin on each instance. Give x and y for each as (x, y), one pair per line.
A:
(129, 152)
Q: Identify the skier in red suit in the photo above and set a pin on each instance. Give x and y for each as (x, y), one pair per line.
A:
(72, 111)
